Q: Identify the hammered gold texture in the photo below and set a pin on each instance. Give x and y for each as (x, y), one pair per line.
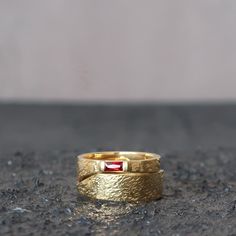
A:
(130, 187)
(86, 168)
(147, 166)
(152, 165)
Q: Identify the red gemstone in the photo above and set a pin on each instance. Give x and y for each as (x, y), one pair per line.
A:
(113, 166)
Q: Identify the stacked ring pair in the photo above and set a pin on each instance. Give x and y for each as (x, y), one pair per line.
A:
(120, 176)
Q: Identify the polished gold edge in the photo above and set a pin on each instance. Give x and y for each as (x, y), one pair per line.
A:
(120, 155)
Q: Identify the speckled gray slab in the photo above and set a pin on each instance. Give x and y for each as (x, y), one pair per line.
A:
(38, 145)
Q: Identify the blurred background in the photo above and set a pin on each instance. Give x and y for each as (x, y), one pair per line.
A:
(117, 51)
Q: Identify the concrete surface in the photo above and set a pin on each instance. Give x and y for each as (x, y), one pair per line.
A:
(37, 172)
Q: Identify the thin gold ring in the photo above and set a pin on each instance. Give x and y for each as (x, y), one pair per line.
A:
(97, 162)
(120, 176)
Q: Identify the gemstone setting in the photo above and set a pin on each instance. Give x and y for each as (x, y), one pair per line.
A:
(114, 166)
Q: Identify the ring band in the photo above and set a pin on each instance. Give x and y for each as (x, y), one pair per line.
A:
(120, 176)
(91, 163)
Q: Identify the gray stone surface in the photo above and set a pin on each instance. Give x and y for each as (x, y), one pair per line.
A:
(37, 169)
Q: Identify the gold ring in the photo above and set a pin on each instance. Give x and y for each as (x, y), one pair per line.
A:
(120, 176)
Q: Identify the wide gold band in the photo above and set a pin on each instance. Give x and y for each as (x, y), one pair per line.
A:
(120, 176)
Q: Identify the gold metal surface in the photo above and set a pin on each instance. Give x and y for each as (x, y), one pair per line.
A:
(90, 163)
(141, 181)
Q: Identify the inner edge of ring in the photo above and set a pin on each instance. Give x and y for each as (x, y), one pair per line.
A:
(120, 156)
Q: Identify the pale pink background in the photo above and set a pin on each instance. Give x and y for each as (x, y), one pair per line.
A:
(123, 50)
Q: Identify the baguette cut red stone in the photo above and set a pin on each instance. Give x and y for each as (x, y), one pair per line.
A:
(113, 166)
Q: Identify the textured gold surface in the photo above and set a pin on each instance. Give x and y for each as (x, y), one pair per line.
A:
(131, 187)
(141, 181)
(87, 168)
(89, 164)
